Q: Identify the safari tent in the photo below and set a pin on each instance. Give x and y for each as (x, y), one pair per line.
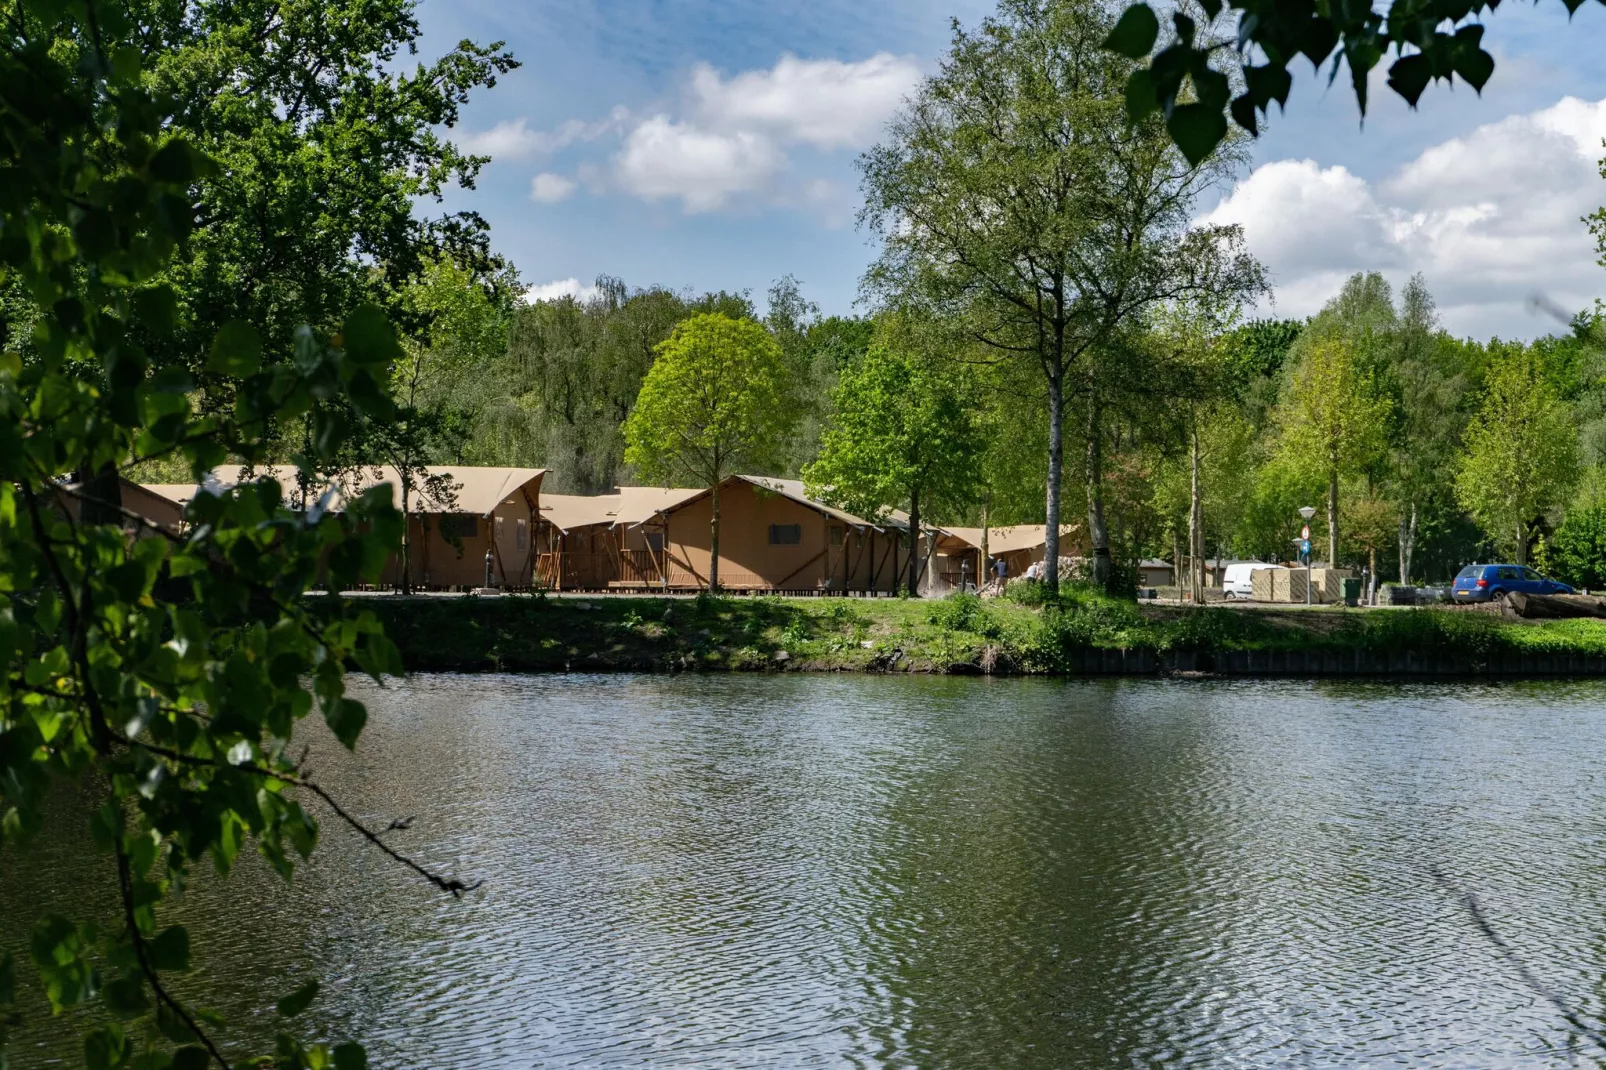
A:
(1020, 546)
(456, 514)
(601, 541)
(774, 537)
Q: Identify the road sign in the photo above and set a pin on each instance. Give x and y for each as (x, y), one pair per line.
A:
(1304, 545)
(1304, 532)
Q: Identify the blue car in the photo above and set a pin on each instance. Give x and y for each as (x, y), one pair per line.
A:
(1479, 583)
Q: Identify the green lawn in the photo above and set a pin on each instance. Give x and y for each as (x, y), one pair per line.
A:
(955, 634)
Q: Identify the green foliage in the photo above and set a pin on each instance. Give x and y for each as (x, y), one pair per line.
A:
(1521, 455)
(1016, 200)
(161, 673)
(1185, 79)
(903, 434)
(1579, 550)
(716, 398)
(559, 395)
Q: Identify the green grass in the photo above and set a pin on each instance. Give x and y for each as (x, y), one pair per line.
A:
(961, 633)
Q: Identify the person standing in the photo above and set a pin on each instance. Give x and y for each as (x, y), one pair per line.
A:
(1001, 570)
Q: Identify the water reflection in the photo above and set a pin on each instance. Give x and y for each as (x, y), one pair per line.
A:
(925, 872)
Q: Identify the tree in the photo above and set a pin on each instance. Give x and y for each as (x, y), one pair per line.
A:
(1579, 549)
(717, 399)
(558, 396)
(1429, 387)
(160, 675)
(1373, 522)
(1013, 196)
(1332, 421)
(1521, 456)
(902, 433)
(327, 148)
(1183, 80)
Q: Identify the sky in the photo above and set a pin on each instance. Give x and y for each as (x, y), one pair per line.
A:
(706, 145)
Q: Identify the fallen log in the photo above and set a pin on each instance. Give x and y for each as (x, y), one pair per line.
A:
(1553, 606)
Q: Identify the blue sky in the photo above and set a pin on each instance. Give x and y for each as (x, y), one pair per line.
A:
(711, 145)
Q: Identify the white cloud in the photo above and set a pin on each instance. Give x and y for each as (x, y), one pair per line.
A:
(548, 188)
(515, 140)
(1490, 219)
(666, 159)
(560, 288)
(728, 139)
(825, 103)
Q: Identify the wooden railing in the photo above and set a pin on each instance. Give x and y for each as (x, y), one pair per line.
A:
(640, 568)
(585, 572)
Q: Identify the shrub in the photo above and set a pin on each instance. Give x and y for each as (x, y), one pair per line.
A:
(1579, 549)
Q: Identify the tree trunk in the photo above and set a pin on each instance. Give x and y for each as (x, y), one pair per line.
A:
(407, 533)
(1371, 574)
(1056, 471)
(1196, 527)
(914, 542)
(1332, 517)
(981, 573)
(1098, 533)
(1407, 545)
(1522, 543)
(713, 542)
(1176, 561)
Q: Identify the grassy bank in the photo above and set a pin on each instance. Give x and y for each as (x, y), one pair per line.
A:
(951, 635)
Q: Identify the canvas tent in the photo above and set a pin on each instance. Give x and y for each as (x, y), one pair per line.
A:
(774, 537)
(456, 515)
(1020, 545)
(601, 541)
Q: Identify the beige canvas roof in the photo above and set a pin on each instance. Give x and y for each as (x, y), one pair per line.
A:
(467, 488)
(629, 506)
(786, 488)
(1010, 539)
(794, 489)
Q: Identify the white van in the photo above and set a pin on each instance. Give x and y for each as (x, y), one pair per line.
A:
(1236, 582)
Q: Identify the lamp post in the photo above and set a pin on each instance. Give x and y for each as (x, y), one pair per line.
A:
(1306, 512)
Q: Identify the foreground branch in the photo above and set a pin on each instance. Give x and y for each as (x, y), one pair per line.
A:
(1470, 904)
(125, 880)
(446, 884)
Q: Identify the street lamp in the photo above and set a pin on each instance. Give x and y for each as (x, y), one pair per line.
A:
(1306, 512)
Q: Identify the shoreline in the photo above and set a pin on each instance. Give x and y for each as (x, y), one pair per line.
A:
(1086, 635)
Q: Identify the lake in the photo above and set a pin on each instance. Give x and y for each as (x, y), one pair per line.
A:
(871, 871)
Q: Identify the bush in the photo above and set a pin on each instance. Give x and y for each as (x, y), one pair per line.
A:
(1579, 549)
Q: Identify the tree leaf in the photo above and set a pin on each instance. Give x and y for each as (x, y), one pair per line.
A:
(368, 338)
(105, 1048)
(1409, 76)
(1140, 98)
(1197, 130)
(191, 1057)
(350, 1056)
(171, 949)
(1135, 32)
(299, 1000)
(346, 718)
(1476, 66)
(237, 350)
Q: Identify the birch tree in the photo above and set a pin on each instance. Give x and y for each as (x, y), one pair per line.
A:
(1012, 195)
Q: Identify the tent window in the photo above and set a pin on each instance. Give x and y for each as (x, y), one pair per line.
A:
(786, 534)
(521, 534)
(836, 536)
(498, 529)
(655, 541)
(460, 526)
